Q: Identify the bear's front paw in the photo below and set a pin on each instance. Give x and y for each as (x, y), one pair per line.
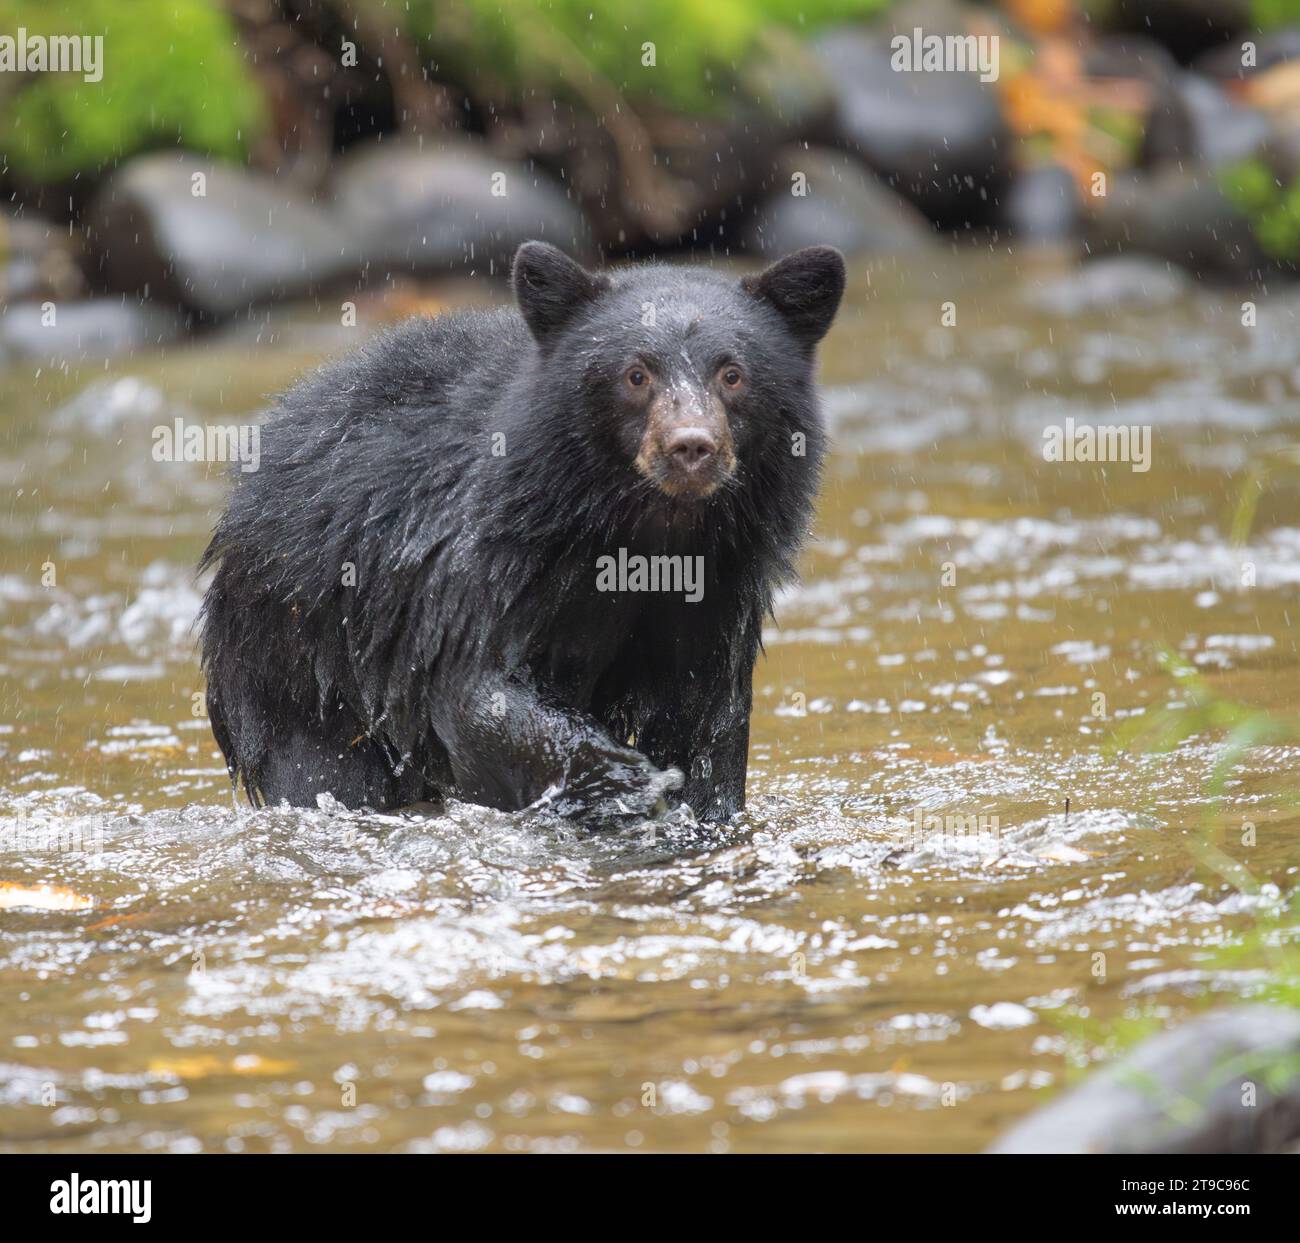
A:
(610, 785)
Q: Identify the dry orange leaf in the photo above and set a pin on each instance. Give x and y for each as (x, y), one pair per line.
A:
(1053, 96)
(41, 898)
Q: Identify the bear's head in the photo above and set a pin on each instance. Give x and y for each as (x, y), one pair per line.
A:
(697, 381)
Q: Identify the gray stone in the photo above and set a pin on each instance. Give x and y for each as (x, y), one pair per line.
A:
(1182, 216)
(844, 206)
(1182, 1093)
(1223, 131)
(1271, 49)
(434, 210)
(247, 239)
(939, 138)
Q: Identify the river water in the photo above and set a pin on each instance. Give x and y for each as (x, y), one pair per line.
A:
(831, 972)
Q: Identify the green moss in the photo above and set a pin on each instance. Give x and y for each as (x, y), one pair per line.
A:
(173, 74)
(1272, 209)
(501, 48)
(1269, 14)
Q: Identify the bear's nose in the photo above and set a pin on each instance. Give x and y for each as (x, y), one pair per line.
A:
(690, 447)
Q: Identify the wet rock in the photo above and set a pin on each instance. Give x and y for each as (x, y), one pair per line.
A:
(245, 239)
(1222, 131)
(455, 208)
(83, 331)
(1271, 50)
(1042, 206)
(842, 206)
(1182, 1092)
(937, 137)
(1182, 216)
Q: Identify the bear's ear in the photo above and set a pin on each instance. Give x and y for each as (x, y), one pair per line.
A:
(550, 287)
(805, 288)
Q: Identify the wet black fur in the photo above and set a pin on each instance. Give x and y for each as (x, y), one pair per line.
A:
(474, 657)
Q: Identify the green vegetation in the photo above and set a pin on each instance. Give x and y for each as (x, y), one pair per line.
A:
(1203, 711)
(1268, 944)
(1269, 14)
(1272, 209)
(1269, 948)
(1264, 471)
(509, 46)
(172, 74)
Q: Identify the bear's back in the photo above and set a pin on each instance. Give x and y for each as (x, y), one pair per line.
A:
(456, 362)
(368, 458)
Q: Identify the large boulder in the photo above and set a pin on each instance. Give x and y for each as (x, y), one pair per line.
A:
(1224, 1083)
(456, 208)
(1270, 50)
(1222, 131)
(840, 205)
(938, 137)
(1181, 215)
(212, 237)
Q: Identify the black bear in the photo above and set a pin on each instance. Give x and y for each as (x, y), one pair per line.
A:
(514, 556)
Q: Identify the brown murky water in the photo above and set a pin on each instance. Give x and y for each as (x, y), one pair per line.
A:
(973, 624)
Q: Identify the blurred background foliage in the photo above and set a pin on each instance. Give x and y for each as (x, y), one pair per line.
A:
(177, 75)
(551, 45)
(173, 75)
(1273, 209)
(1112, 126)
(1270, 14)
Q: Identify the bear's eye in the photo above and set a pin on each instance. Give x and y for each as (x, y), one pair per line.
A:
(637, 378)
(732, 376)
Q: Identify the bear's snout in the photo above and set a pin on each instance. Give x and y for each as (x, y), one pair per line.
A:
(690, 448)
(687, 447)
